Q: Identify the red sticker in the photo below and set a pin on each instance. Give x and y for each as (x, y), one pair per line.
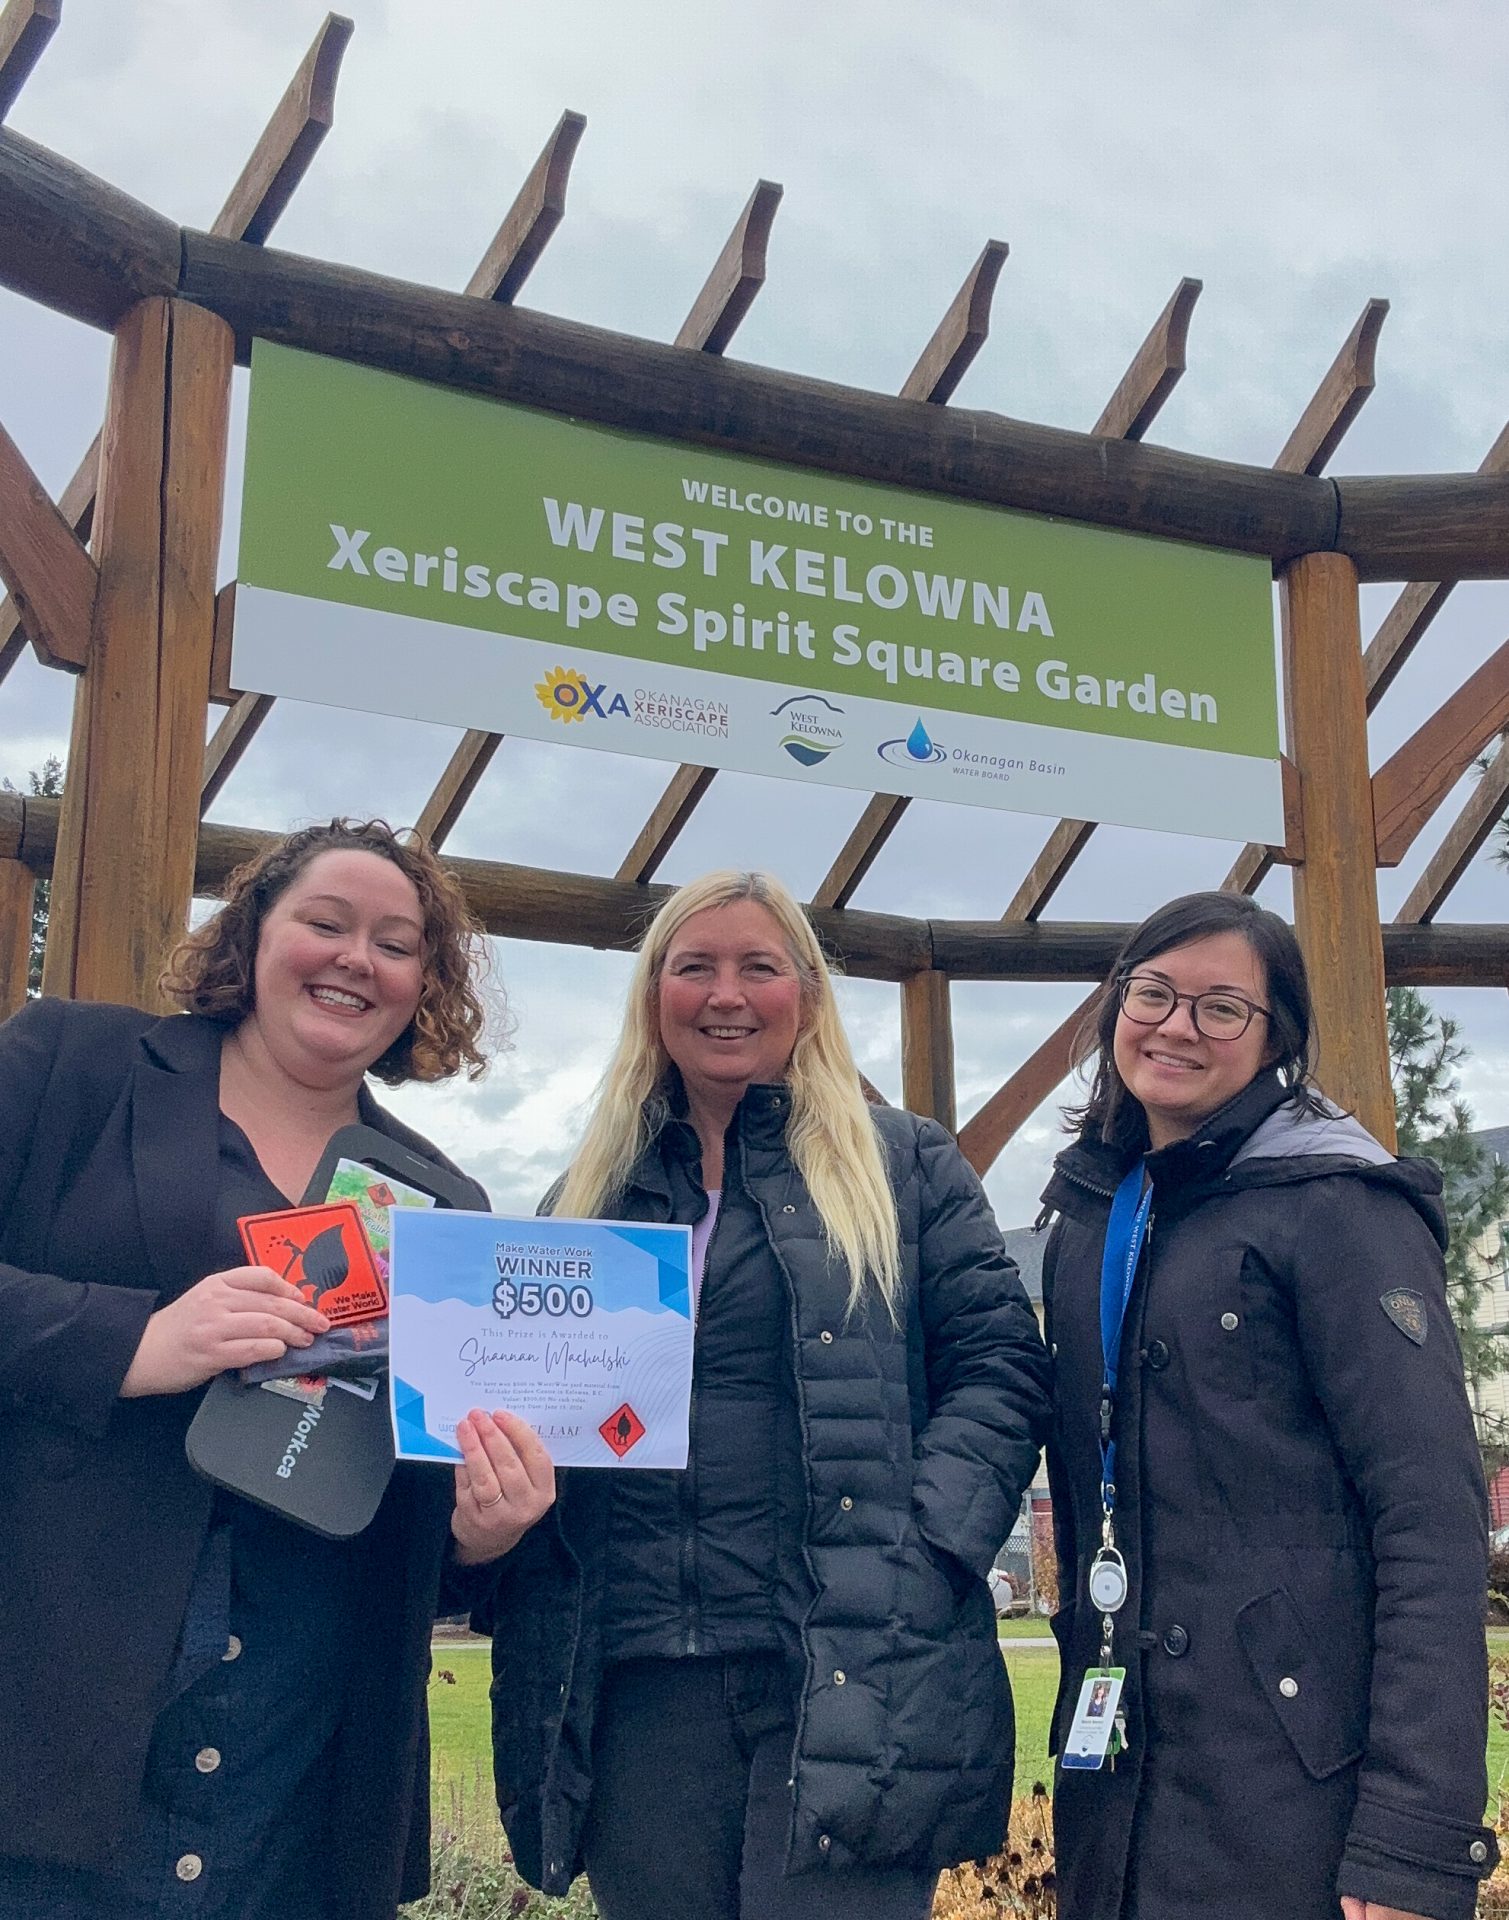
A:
(324, 1252)
(622, 1429)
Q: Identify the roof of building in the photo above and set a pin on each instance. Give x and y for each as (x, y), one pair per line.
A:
(1026, 1248)
(1495, 1141)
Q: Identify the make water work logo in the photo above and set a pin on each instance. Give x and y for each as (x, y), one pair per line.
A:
(918, 749)
(812, 729)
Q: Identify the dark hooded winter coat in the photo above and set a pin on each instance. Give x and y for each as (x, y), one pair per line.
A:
(916, 1444)
(1301, 1509)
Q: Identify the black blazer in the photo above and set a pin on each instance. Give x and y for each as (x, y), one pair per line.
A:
(108, 1172)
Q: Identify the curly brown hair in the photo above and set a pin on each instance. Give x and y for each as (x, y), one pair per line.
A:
(212, 970)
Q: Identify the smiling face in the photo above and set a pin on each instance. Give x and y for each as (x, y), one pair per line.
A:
(339, 966)
(730, 1000)
(1178, 1076)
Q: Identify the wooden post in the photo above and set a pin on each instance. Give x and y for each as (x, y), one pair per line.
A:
(17, 894)
(927, 1048)
(130, 815)
(1335, 886)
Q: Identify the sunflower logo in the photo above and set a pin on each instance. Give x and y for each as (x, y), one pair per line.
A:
(563, 694)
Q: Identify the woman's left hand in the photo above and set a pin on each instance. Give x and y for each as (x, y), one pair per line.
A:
(506, 1482)
(1354, 1909)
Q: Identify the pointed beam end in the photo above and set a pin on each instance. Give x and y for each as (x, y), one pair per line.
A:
(961, 332)
(538, 209)
(737, 276)
(26, 26)
(1156, 369)
(1338, 399)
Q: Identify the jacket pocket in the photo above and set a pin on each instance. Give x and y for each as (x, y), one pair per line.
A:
(1326, 1733)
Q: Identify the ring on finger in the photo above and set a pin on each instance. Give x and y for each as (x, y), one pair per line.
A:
(495, 1501)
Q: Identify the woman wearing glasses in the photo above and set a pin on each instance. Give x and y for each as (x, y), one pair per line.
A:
(1266, 1488)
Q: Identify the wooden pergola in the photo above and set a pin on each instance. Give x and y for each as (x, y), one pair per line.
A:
(115, 582)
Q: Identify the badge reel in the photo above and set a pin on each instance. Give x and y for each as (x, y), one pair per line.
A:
(1108, 1581)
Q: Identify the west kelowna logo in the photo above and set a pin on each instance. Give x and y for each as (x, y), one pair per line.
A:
(812, 726)
(567, 694)
(918, 749)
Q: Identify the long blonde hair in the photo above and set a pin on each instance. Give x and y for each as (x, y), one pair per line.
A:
(831, 1135)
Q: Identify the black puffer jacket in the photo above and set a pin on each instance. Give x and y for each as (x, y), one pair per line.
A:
(1301, 1509)
(917, 1444)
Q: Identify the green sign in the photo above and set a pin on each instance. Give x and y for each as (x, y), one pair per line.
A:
(408, 549)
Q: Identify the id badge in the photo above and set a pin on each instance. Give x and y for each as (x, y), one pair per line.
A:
(1090, 1731)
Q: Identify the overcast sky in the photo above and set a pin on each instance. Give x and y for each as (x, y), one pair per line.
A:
(1296, 159)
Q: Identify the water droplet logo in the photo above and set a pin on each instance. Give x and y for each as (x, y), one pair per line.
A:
(918, 749)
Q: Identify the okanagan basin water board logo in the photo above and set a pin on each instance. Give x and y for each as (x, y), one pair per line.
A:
(918, 749)
(567, 694)
(812, 726)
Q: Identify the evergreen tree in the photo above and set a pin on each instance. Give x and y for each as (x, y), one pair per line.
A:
(1425, 1050)
(44, 783)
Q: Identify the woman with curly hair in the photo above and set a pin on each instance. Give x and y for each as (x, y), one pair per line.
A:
(210, 1711)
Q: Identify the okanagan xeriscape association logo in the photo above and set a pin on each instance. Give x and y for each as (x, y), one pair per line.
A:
(812, 727)
(918, 749)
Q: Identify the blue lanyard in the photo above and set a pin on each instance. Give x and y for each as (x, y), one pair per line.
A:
(1125, 1232)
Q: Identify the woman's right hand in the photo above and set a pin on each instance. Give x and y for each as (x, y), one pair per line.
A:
(230, 1319)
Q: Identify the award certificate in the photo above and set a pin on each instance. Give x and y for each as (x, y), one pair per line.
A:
(581, 1327)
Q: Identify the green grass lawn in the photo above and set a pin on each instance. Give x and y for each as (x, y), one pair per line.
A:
(462, 1753)
(461, 1749)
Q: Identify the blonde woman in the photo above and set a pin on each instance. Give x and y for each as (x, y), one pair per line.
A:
(768, 1688)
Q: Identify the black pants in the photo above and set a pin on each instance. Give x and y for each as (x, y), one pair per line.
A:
(691, 1805)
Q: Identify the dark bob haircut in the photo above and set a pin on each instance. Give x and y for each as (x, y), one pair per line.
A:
(1111, 1113)
(213, 971)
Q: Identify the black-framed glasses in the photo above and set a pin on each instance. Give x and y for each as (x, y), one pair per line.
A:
(1149, 1001)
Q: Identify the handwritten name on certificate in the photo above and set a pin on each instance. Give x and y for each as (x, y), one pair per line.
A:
(582, 1327)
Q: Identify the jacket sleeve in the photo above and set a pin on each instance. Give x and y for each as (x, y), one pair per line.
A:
(987, 1367)
(65, 1345)
(1398, 1413)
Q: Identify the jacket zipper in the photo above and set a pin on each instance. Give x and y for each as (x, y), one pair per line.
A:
(691, 1613)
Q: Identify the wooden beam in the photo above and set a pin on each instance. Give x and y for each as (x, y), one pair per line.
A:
(456, 785)
(961, 332)
(1157, 368)
(227, 746)
(737, 276)
(533, 359)
(1333, 407)
(45, 566)
(18, 891)
(1467, 835)
(1414, 780)
(586, 910)
(26, 26)
(1061, 849)
(1417, 605)
(1335, 887)
(537, 210)
(726, 296)
(927, 1048)
(130, 809)
(941, 365)
(859, 852)
(656, 837)
(278, 162)
(75, 243)
(1012, 1105)
(1338, 399)
(289, 141)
